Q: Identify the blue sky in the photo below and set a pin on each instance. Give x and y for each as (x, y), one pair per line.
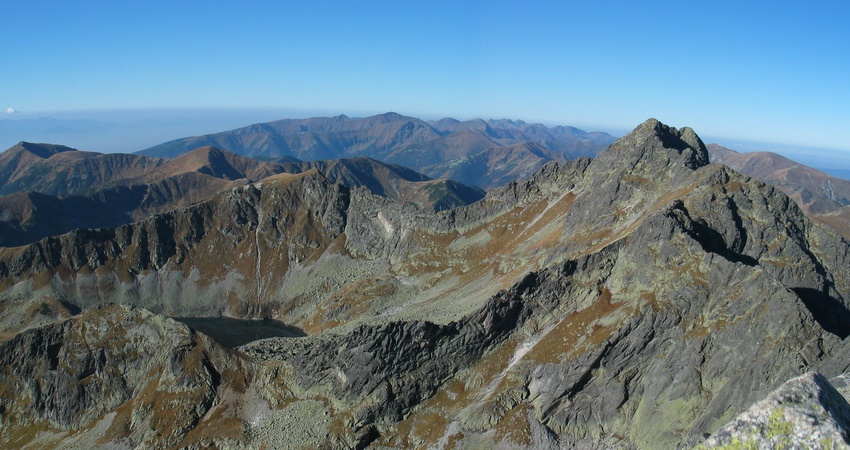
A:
(761, 71)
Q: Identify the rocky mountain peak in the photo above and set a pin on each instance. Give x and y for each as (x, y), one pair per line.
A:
(43, 150)
(217, 163)
(656, 141)
(391, 116)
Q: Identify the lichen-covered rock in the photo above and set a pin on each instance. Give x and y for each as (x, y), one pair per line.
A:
(805, 412)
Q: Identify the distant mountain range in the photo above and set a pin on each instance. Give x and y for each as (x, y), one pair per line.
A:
(477, 152)
(59, 170)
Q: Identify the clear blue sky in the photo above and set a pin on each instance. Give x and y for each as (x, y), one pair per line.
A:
(766, 71)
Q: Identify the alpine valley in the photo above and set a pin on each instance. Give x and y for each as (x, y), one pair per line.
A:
(602, 293)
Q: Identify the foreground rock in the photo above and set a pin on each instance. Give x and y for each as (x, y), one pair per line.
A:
(805, 412)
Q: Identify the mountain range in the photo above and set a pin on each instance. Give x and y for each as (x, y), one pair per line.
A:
(643, 298)
(476, 152)
(54, 189)
(492, 153)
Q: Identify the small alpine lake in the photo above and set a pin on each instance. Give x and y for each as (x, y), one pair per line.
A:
(232, 332)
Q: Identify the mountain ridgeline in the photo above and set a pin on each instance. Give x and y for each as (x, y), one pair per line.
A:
(644, 298)
(476, 152)
(53, 190)
(823, 197)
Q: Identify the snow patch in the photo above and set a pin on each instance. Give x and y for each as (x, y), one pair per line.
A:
(520, 352)
(548, 207)
(388, 227)
(451, 430)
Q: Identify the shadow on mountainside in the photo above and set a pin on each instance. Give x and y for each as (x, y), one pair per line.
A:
(829, 313)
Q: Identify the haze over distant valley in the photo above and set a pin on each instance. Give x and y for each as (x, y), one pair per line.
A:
(130, 130)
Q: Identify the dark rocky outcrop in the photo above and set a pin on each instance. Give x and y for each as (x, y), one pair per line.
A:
(387, 370)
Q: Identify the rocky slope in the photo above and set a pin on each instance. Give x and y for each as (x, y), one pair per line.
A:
(123, 377)
(30, 216)
(393, 181)
(26, 217)
(640, 299)
(464, 151)
(816, 192)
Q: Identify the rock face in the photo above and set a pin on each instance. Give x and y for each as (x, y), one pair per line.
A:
(816, 192)
(394, 182)
(641, 299)
(822, 197)
(143, 380)
(136, 263)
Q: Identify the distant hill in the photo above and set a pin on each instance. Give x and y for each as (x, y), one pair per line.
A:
(221, 168)
(815, 191)
(437, 148)
(59, 170)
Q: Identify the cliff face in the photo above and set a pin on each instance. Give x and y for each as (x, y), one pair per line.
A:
(194, 260)
(116, 374)
(640, 299)
(53, 190)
